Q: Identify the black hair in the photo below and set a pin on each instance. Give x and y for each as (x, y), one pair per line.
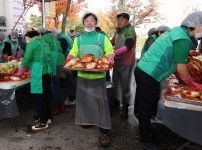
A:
(9, 36)
(32, 34)
(71, 30)
(90, 14)
(98, 29)
(190, 28)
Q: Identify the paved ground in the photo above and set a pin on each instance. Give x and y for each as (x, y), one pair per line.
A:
(65, 135)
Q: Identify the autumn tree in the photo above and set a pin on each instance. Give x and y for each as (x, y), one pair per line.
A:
(140, 13)
(35, 22)
(75, 7)
(108, 20)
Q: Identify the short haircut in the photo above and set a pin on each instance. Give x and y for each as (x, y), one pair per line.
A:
(90, 14)
(32, 34)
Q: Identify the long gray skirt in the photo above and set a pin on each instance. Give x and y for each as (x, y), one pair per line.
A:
(92, 103)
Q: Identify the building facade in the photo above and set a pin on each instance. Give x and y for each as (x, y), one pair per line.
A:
(10, 12)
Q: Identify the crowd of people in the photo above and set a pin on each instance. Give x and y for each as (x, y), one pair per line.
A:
(45, 52)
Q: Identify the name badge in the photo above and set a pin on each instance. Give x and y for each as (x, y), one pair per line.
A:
(97, 42)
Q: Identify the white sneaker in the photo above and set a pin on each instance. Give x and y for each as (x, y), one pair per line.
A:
(49, 121)
(67, 102)
(40, 127)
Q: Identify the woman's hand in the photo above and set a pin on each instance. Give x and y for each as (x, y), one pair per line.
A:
(20, 72)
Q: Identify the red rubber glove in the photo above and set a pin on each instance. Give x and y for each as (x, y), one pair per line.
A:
(18, 54)
(190, 82)
(69, 57)
(121, 50)
(4, 56)
(111, 60)
(20, 72)
(13, 57)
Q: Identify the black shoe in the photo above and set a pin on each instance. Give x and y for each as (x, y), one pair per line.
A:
(124, 113)
(150, 145)
(116, 103)
(86, 126)
(71, 98)
(104, 141)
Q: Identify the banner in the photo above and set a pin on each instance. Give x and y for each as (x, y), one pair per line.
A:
(16, 9)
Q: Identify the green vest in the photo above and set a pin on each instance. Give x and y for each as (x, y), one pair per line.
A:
(14, 46)
(158, 62)
(1, 51)
(57, 57)
(92, 43)
(69, 41)
(154, 36)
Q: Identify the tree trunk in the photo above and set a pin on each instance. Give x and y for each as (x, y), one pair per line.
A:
(65, 16)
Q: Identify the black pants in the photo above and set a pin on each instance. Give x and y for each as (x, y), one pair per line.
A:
(69, 85)
(146, 101)
(43, 101)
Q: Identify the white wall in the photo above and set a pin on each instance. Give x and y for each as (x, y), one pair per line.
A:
(11, 9)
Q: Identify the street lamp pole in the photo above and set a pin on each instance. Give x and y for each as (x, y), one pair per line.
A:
(43, 14)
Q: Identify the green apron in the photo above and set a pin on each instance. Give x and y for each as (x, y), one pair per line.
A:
(14, 46)
(1, 51)
(53, 54)
(36, 69)
(97, 51)
(69, 41)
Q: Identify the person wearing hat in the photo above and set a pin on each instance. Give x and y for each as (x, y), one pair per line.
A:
(2, 37)
(124, 41)
(37, 56)
(57, 61)
(91, 97)
(65, 41)
(168, 54)
(11, 50)
(162, 29)
(152, 36)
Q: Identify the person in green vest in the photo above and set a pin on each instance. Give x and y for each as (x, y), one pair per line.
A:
(11, 50)
(124, 49)
(2, 37)
(162, 29)
(91, 98)
(153, 34)
(168, 54)
(58, 61)
(21, 45)
(65, 41)
(37, 56)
